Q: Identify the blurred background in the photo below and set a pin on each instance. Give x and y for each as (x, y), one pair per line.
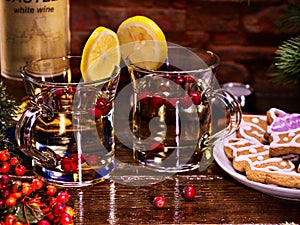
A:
(244, 33)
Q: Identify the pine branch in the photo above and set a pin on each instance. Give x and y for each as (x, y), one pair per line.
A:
(287, 62)
(291, 18)
(7, 109)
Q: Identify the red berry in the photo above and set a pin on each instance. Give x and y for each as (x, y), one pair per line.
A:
(4, 155)
(37, 183)
(10, 201)
(14, 161)
(43, 222)
(68, 165)
(65, 219)
(156, 147)
(51, 190)
(63, 196)
(101, 103)
(159, 202)
(71, 90)
(4, 167)
(26, 188)
(196, 97)
(20, 170)
(58, 208)
(189, 192)
(180, 80)
(10, 219)
(59, 92)
(189, 79)
(4, 179)
(16, 186)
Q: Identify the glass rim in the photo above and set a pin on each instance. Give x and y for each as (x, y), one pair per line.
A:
(176, 72)
(25, 76)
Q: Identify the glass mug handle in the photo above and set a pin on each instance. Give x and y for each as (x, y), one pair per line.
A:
(24, 130)
(233, 112)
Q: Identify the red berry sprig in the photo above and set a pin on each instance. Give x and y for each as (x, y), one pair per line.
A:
(20, 203)
(10, 164)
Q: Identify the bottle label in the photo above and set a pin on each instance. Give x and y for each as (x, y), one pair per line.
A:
(32, 29)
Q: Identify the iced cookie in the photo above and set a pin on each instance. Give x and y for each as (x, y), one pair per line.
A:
(253, 127)
(283, 132)
(253, 159)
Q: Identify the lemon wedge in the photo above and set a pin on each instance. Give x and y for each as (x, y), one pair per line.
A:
(142, 42)
(101, 54)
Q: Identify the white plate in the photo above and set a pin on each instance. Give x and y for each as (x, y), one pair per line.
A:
(270, 189)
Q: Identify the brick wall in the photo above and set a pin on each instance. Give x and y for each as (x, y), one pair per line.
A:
(241, 32)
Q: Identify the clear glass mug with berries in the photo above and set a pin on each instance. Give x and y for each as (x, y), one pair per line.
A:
(179, 111)
(68, 128)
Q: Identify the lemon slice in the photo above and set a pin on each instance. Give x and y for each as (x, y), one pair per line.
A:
(142, 42)
(100, 55)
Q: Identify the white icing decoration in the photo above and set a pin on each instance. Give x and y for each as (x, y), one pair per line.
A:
(255, 120)
(285, 139)
(269, 165)
(252, 150)
(260, 158)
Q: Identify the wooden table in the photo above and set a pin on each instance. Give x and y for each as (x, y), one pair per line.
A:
(220, 199)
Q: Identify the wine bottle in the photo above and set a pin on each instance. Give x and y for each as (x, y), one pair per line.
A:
(31, 29)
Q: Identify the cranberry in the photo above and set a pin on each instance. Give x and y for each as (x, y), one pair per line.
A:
(65, 219)
(71, 90)
(20, 170)
(58, 208)
(156, 147)
(159, 202)
(4, 155)
(157, 101)
(96, 112)
(37, 183)
(51, 190)
(189, 79)
(180, 80)
(4, 167)
(101, 103)
(26, 188)
(68, 165)
(63, 196)
(4, 179)
(196, 97)
(14, 161)
(10, 201)
(189, 192)
(43, 222)
(59, 92)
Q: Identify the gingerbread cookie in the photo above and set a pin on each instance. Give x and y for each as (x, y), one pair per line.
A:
(283, 132)
(253, 159)
(253, 127)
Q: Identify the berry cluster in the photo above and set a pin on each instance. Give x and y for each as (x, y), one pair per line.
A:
(10, 164)
(188, 193)
(193, 96)
(21, 204)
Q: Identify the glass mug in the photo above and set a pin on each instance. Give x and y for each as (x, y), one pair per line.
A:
(179, 112)
(68, 129)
